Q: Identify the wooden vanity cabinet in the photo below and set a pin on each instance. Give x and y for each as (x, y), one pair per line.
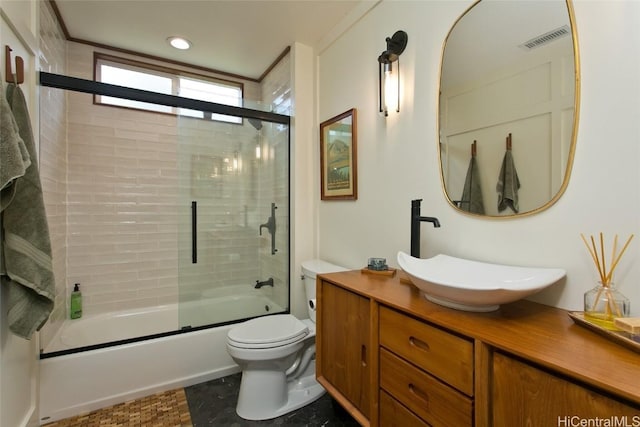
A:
(392, 358)
(522, 394)
(342, 349)
(426, 369)
(394, 414)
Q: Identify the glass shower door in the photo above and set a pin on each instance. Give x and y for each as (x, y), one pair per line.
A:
(233, 220)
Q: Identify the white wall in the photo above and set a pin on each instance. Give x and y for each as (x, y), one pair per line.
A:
(19, 357)
(398, 157)
(304, 236)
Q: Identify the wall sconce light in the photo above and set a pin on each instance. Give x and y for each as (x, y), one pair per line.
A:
(388, 78)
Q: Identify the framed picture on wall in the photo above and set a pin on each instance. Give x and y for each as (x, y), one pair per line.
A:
(338, 160)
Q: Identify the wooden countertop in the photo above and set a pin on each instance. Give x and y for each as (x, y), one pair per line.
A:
(541, 334)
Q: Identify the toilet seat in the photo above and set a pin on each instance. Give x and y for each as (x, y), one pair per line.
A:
(268, 332)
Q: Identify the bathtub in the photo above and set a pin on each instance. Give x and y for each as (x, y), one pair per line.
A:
(71, 384)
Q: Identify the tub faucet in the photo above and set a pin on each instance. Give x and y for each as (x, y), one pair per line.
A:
(416, 219)
(268, 282)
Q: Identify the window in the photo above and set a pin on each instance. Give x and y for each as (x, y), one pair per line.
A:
(123, 72)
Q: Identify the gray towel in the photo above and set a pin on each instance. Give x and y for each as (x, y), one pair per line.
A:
(508, 184)
(472, 193)
(14, 158)
(27, 269)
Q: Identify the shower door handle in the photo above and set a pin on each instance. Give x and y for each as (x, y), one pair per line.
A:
(194, 232)
(270, 225)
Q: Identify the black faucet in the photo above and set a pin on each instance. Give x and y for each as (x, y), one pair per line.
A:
(268, 282)
(416, 219)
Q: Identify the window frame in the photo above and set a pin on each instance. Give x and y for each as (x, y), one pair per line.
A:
(175, 75)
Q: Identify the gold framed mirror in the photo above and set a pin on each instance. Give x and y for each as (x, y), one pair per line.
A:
(508, 107)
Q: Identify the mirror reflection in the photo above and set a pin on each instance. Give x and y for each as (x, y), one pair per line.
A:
(507, 114)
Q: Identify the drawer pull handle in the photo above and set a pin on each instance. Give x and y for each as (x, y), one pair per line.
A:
(419, 393)
(363, 355)
(415, 342)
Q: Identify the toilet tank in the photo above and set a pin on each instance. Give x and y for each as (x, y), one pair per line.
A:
(310, 269)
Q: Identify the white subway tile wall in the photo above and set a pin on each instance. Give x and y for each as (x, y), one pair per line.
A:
(122, 214)
(53, 162)
(128, 210)
(119, 210)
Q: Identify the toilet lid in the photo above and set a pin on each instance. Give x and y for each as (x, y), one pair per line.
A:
(268, 331)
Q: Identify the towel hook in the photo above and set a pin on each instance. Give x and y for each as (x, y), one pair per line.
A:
(10, 77)
(509, 142)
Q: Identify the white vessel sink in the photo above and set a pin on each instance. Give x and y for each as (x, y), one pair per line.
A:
(472, 285)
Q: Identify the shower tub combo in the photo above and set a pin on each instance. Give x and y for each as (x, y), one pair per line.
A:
(228, 266)
(83, 381)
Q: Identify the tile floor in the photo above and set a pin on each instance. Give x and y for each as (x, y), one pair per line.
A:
(214, 404)
(203, 405)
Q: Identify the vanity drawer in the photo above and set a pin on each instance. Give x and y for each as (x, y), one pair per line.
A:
(431, 400)
(394, 414)
(444, 355)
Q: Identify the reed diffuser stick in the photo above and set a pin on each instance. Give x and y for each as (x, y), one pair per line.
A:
(599, 260)
(615, 305)
(615, 247)
(604, 266)
(594, 254)
(615, 263)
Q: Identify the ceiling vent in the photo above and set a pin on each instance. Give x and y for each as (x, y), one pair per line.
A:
(546, 38)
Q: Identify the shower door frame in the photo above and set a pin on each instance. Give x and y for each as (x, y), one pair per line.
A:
(76, 84)
(221, 193)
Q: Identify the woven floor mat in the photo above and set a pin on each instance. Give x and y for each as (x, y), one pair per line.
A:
(168, 409)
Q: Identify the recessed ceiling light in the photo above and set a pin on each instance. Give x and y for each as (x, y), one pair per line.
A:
(179, 43)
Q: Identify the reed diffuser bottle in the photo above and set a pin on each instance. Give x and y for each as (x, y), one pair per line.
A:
(604, 302)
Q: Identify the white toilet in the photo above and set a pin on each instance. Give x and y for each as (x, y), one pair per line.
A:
(277, 356)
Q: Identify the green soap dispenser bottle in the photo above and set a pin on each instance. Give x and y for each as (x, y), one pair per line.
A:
(76, 302)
